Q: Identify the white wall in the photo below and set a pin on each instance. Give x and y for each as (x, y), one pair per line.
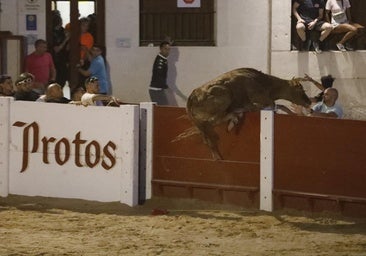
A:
(8, 20)
(243, 30)
(237, 46)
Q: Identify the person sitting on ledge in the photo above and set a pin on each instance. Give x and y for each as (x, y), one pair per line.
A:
(309, 15)
(341, 20)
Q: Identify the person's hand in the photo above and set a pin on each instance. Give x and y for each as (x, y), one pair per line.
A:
(300, 21)
(297, 109)
(67, 35)
(308, 78)
(114, 102)
(311, 25)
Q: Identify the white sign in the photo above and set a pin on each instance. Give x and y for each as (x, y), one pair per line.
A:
(189, 3)
(68, 151)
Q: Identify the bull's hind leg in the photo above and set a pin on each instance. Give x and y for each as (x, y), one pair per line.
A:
(210, 138)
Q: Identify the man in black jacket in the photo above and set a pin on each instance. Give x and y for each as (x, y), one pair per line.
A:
(159, 75)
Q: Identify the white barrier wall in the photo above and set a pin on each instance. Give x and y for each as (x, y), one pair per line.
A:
(68, 151)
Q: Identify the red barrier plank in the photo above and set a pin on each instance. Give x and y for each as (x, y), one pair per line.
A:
(319, 156)
(189, 161)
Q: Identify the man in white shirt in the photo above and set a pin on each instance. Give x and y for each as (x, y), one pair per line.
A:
(92, 96)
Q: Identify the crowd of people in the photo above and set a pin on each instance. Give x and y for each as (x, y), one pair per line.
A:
(310, 18)
(46, 71)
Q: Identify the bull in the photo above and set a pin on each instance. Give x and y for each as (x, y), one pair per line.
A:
(227, 98)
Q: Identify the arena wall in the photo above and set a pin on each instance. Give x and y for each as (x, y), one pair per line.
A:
(270, 162)
(68, 151)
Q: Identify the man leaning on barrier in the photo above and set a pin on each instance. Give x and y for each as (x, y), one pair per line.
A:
(93, 97)
(326, 108)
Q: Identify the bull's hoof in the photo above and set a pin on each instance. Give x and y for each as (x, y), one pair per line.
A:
(232, 123)
(216, 156)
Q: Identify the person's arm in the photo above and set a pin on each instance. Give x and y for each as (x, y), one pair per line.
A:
(59, 47)
(296, 110)
(316, 83)
(349, 16)
(76, 102)
(295, 6)
(103, 97)
(320, 17)
(320, 114)
(327, 15)
(84, 72)
(53, 73)
(321, 13)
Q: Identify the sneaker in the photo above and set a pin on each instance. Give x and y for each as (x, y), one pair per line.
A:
(348, 47)
(304, 45)
(316, 47)
(341, 47)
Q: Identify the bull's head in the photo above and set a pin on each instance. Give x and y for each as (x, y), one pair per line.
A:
(298, 95)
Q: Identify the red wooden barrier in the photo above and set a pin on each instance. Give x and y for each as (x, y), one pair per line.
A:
(320, 164)
(186, 168)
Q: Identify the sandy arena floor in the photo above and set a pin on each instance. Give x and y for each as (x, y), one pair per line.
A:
(45, 226)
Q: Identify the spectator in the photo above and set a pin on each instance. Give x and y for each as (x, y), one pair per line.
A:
(40, 64)
(309, 15)
(77, 93)
(159, 76)
(326, 108)
(59, 50)
(54, 94)
(92, 95)
(24, 85)
(342, 22)
(86, 39)
(97, 69)
(326, 82)
(6, 86)
(93, 24)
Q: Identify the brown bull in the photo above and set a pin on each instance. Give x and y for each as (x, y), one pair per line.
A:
(229, 96)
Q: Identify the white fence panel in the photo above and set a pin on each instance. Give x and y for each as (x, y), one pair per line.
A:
(68, 151)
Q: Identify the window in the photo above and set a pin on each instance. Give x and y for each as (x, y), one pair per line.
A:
(160, 19)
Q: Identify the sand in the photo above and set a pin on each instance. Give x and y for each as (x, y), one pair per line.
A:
(48, 226)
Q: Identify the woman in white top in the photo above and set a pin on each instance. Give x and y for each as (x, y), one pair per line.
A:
(339, 14)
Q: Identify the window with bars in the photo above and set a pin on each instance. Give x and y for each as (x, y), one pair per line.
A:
(162, 19)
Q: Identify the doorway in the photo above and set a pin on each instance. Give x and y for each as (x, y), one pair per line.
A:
(71, 11)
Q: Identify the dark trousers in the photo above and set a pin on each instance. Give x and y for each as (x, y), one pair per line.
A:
(159, 97)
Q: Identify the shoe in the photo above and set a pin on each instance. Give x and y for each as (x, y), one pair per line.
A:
(316, 47)
(348, 47)
(305, 46)
(341, 47)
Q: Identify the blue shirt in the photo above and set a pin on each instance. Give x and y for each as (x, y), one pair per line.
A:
(97, 68)
(320, 107)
